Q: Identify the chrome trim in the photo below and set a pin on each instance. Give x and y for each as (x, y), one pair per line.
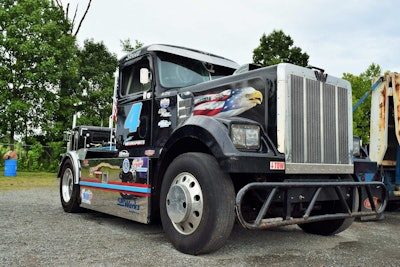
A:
(304, 168)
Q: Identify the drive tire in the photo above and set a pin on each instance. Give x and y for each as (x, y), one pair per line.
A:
(197, 204)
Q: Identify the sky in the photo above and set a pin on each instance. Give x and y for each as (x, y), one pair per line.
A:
(340, 36)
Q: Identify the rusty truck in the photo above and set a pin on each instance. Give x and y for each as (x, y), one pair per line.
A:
(384, 148)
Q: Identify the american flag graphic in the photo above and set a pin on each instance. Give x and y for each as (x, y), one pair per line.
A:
(114, 106)
(114, 109)
(230, 102)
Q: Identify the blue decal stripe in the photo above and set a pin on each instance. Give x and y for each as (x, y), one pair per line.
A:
(117, 187)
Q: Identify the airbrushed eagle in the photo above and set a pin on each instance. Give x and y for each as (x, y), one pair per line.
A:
(230, 102)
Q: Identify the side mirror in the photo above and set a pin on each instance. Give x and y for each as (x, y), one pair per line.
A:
(144, 76)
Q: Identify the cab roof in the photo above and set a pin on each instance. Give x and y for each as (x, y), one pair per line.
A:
(181, 51)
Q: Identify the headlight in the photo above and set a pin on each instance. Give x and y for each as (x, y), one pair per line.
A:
(245, 136)
(357, 143)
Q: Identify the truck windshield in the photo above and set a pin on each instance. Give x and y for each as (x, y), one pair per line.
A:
(176, 71)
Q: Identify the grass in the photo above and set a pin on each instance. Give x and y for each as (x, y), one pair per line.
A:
(27, 180)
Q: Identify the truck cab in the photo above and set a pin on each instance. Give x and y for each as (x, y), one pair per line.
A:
(146, 114)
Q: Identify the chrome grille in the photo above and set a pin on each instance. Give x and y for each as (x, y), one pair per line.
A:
(319, 126)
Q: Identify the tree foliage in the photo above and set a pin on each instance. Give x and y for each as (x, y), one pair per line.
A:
(360, 85)
(127, 45)
(278, 47)
(45, 78)
(35, 52)
(96, 74)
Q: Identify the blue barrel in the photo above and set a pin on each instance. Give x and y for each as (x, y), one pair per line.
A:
(10, 167)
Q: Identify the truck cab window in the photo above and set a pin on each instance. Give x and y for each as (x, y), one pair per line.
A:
(177, 72)
(131, 78)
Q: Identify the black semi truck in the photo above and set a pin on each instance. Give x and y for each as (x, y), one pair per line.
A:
(200, 141)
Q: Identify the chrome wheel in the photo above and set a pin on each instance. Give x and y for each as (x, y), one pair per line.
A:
(184, 203)
(69, 191)
(67, 185)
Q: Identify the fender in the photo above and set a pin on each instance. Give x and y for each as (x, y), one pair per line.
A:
(73, 156)
(214, 134)
(208, 130)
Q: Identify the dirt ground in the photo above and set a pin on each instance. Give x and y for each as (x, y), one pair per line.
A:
(35, 231)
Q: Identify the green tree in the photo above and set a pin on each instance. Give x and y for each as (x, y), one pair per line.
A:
(34, 154)
(96, 74)
(70, 93)
(360, 85)
(57, 148)
(35, 52)
(127, 46)
(276, 48)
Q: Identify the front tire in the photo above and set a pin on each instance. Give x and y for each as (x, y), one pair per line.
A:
(197, 204)
(332, 227)
(69, 191)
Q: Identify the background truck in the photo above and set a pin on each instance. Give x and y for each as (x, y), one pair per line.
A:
(384, 146)
(200, 141)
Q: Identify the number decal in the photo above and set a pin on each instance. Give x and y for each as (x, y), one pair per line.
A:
(132, 121)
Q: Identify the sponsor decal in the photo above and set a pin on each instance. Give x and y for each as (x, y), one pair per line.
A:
(146, 95)
(230, 102)
(130, 204)
(140, 165)
(133, 55)
(86, 196)
(132, 120)
(367, 203)
(149, 152)
(123, 153)
(126, 166)
(164, 113)
(134, 143)
(164, 124)
(137, 163)
(277, 165)
(164, 103)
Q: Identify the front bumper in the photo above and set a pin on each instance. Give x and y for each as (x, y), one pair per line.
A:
(280, 192)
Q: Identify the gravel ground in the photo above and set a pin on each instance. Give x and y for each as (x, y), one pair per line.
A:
(35, 231)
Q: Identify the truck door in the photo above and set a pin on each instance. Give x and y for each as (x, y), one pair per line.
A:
(135, 107)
